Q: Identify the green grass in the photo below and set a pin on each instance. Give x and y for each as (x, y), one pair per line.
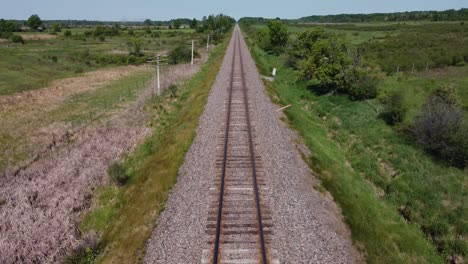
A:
(109, 98)
(372, 172)
(126, 216)
(38, 62)
(416, 87)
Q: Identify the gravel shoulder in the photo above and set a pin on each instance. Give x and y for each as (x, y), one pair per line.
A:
(307, 226)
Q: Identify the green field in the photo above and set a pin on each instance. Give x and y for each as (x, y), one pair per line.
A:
(402, 204)
(38, 62)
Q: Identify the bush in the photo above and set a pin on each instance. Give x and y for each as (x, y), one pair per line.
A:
(440, 128)
(359, 83)
(102, 38)
(5, 35)
(182, 54)
(173, 90)
(56, 27)
(134, 47)
(131, 59)
(279, 36)
(394, 108)
(17, 39)
(67, 33)
(118, 173)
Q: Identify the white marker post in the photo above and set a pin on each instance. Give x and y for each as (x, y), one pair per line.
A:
(273, 72)
(192, 53)
(208, 42)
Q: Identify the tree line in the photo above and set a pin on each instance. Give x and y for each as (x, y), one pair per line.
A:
(447, 15)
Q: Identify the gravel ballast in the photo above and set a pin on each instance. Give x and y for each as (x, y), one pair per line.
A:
(307, 226)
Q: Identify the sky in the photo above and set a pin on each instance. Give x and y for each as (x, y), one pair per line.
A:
(138, 10)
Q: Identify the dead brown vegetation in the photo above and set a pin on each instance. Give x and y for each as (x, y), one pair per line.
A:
(42, 204)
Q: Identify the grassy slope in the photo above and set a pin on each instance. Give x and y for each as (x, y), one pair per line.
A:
(126, 216)
(82, 108)
(377, 228)
(416, 87)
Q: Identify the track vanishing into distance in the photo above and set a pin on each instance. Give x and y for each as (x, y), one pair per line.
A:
(238, 221)
(245, 194)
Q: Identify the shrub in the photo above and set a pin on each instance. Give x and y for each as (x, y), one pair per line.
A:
(394, 108)
(102, 38)
(279, 36)
(359, 83)
(5, 35)
(17, 39)
(134, 47)
(182, 54)
(67, 33)
(326, 57)
(131, 59)
(173, 90)
(118, 173)
(262, 38)
(440, 128)
(88, 33)
(56, 27)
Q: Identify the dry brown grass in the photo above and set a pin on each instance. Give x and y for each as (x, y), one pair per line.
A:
(38, 36)
(41, 205)
(24, 117)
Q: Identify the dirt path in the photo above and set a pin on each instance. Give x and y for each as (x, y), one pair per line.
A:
(306, 226)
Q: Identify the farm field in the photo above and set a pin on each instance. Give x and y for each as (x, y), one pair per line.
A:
(353, 144)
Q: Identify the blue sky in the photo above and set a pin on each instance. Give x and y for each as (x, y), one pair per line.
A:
(167, 9)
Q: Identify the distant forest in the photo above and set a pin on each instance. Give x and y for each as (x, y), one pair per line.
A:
(447, 15)
(92, 23)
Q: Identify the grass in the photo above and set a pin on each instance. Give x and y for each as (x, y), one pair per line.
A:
(416, 87)
(376, 175)
(38, 62)
(105, 100)
(126, 216)
(25, 130)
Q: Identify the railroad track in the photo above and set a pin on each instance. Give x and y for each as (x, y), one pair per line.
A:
(239, 225)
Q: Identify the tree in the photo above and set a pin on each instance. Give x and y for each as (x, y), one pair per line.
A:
(320, 55)
(176, 23)
(148, 22)
(278, 35)
(193, 23)
(34, 22)
(327, 58)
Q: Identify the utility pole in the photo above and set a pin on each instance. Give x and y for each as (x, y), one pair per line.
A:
(157, 67)
(192, 53)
